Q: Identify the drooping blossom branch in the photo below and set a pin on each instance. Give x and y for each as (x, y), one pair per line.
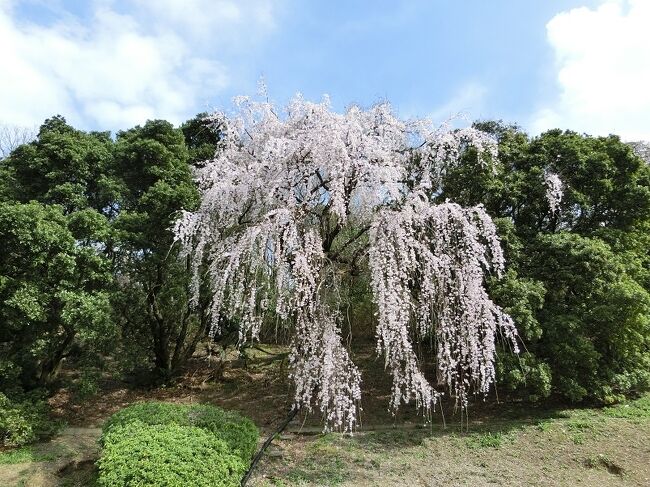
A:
(554, 190)
(294, 199)
(428, 263)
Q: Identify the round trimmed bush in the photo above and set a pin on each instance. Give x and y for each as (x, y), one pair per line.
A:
(238, 432)
(167, 455)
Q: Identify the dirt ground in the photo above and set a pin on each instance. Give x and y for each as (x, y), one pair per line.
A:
(504, 443)
(67, 460)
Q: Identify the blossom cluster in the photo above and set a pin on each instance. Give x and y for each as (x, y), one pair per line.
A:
(554, 190)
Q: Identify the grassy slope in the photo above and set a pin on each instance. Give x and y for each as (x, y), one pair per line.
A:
(571, 447)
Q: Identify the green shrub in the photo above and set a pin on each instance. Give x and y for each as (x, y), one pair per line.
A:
(15, 428)
(165, 455)
(148, 413)
(525, 374)
(87, 385)
(239, 433)
(24, 421)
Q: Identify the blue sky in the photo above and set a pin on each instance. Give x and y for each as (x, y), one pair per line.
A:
(580, 64)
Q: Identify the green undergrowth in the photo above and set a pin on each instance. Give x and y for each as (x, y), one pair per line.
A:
(638, 409)
(27, 454)
(25, 420)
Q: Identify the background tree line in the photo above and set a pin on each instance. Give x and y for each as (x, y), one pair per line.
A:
(88, 268)
(88, 261)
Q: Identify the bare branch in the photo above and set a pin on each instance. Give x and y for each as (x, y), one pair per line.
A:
(13, 136)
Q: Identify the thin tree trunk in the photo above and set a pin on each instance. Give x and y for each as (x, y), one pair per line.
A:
(50, 367)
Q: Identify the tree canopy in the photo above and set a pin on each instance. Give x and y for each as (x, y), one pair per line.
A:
(295, 201)
(577, 284)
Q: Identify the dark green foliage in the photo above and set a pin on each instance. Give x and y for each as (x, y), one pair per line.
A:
(52, 289)
(55, 276)
(202, 137)
(579, 280)
(107, 208)
(87, 384)
(152, 302)
(525, 373)
(238, 432)
(596, 318)
(10, 372)
(24, 420)
(521, 298)
(63, 166)
(138, 454)
(607, 184)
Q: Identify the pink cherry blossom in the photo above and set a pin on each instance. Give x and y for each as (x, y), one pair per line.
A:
(297, 197)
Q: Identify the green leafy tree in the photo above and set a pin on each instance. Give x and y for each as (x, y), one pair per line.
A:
(606, 184)
(578, 278)
(119, 200)
(63, 166)
(153, 301)
(56, 279)
(595, 318)
(52, 290)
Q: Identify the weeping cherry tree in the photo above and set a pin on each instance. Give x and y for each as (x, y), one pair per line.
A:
(297, 199)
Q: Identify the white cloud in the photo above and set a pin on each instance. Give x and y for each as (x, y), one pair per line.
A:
(603, 70)
(120, 67)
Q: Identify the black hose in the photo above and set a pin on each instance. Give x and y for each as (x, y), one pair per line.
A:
(266, 444)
